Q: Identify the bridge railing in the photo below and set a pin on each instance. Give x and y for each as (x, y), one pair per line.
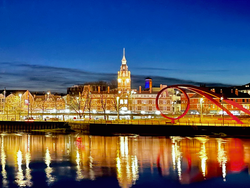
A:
(162, 122)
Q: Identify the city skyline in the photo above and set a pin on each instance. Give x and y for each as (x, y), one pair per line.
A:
(174, 42)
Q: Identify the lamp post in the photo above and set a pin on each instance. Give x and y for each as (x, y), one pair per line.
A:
(132, 109)
(20, 96)
(28, 105)
(201, 101)
(117, 98)
(221, 100)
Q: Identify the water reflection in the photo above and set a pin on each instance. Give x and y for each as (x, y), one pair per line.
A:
(176, 154)
(3, 162)
(19, 176)
(127, 164)
(222, 157)
(79, 176)
(203, 155)
(128, 159)
(48, 169)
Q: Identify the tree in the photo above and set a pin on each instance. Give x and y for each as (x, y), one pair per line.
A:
(88, 101)
(12, 105)
(74, 103)
(39, 103)
(103, 104)
(28, 100)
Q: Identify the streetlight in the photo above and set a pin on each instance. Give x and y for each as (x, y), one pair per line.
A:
(20, 96)
(28, 105)
(221, 100)
(201, 101)
(117, 98)
(132, 109)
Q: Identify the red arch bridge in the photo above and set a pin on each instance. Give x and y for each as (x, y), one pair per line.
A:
(207, 94)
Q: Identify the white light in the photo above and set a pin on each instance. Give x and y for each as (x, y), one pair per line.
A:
(127, 80)
(119, 80)
(108, 111)
(67, 111)
(122, 112)
(149, 116)
(142, 112)
(94, 111)
(157, 112)
(124, 108)
(20, 95)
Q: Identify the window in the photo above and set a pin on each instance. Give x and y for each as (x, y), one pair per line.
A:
(121, 101)
(125, 101)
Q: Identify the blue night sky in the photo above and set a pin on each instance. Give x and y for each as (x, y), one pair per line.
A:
(53, 44)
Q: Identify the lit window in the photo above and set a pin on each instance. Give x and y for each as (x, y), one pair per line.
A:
(125, 101)
(121, 101)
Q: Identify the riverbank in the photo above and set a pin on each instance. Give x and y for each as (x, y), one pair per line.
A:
(29, 126)
(162, 130)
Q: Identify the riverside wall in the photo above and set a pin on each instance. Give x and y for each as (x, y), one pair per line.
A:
(161, 130)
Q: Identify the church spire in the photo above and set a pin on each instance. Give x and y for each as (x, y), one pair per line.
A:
(124, 61)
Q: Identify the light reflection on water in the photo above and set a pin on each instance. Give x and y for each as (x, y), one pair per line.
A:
(122, 161)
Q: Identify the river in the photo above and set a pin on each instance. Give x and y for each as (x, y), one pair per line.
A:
(77, 160)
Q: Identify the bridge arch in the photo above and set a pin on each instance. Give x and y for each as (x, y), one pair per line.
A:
(207, 94)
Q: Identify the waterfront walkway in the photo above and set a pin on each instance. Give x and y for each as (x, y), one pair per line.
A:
(184, 122)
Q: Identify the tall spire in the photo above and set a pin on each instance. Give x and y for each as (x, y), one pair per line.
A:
(124, 61)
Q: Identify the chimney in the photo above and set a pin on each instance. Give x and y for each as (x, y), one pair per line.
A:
(232, 90)
(139, 89)
(236, 92)
(220, 90)
(108, 89)
(99, 89)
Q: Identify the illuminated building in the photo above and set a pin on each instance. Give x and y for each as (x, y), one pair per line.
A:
(107, 100)
(210, 108)
(124, 79)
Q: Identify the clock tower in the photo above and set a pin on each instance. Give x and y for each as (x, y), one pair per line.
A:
(124, 79)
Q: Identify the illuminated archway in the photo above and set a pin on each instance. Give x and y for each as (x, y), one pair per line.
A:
(207, 94)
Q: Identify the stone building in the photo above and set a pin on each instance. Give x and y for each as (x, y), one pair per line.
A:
(121, 102)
